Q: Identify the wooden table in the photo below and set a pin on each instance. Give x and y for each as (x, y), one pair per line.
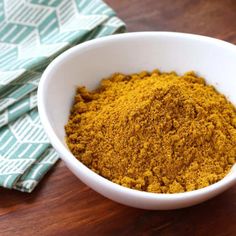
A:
(62, 205)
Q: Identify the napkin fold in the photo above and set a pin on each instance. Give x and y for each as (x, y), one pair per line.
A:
(32, 34)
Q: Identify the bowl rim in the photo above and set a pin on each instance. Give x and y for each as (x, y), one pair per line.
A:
(70, 159)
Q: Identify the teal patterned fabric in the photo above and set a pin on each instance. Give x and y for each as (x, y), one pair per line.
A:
(32, 34)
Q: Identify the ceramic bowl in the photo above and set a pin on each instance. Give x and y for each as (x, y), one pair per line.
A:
(89, 62)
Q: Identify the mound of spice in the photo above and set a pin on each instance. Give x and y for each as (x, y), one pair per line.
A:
(155, 132)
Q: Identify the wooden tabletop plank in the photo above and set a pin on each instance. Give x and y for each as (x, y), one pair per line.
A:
(63, 205)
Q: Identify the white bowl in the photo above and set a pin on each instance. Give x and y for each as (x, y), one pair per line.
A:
(87, 63)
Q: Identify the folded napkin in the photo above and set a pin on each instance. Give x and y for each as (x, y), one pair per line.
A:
(32, 34)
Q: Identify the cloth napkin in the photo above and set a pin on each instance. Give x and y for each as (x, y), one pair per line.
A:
(32, 34)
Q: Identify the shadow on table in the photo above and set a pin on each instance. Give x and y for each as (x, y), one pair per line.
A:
(9, 197)
(77, 208)
(213, 217)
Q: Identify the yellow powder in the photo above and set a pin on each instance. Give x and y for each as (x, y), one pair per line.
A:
(155, 132)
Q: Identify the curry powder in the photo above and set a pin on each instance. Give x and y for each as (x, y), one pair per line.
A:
(155, 132)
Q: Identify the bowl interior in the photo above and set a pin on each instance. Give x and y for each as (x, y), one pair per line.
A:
(88, 63)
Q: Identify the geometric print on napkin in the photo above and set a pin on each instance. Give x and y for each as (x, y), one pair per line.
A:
(32, 34)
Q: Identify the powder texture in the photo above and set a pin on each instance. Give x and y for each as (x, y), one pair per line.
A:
(155, 132)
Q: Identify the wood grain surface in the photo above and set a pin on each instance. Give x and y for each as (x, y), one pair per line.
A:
(62, 205)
